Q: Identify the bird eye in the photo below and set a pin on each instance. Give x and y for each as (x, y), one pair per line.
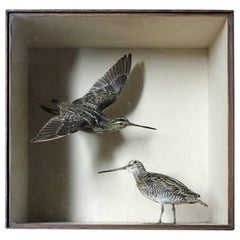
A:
(135, 162)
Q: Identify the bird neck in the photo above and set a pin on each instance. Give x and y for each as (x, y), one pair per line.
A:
(139, 174)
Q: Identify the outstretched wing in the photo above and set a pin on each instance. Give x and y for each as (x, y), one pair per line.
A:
(56, 127)
(106, 90)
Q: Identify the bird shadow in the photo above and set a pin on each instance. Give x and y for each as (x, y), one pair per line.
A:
(49, 166)
(108, 143)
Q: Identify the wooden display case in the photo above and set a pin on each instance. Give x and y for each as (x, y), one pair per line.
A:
(181, 83)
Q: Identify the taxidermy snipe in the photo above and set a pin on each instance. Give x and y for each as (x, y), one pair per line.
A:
(86, 113)
(160, 188)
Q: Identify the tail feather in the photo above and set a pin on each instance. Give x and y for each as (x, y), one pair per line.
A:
(55, 101)
(49, 110)
(202, 203)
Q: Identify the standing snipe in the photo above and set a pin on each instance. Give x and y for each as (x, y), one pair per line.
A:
(86, 113)
(160, 188)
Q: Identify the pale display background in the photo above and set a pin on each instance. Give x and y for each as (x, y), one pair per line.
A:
(158, 93)
(168, 149)
(167, 89)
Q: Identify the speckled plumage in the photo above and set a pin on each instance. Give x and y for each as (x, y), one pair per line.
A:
(86, 113)
(160, 188)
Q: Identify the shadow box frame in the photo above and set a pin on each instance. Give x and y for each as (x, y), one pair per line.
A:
(229, 225)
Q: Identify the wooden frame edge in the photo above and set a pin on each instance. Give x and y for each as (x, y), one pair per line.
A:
(230, 225)
(231, 120)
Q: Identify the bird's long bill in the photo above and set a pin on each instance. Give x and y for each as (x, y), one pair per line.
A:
(113, 170)
(142, 126)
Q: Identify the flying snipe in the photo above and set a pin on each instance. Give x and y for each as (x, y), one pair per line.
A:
(160, 188)
(86, 113)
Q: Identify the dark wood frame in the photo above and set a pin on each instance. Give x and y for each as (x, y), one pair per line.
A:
(230, 224)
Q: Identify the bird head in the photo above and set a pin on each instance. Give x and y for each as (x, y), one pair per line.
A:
(121, 122)
(134, 166)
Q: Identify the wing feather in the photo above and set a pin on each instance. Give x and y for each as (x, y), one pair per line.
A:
(107, 89)
(56, 127)
(173, 185)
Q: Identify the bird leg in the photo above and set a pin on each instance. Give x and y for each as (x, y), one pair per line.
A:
(174, 213)
(162, 211)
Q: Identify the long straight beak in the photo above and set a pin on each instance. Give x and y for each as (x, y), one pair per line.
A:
(142, 126)
(113, 170)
